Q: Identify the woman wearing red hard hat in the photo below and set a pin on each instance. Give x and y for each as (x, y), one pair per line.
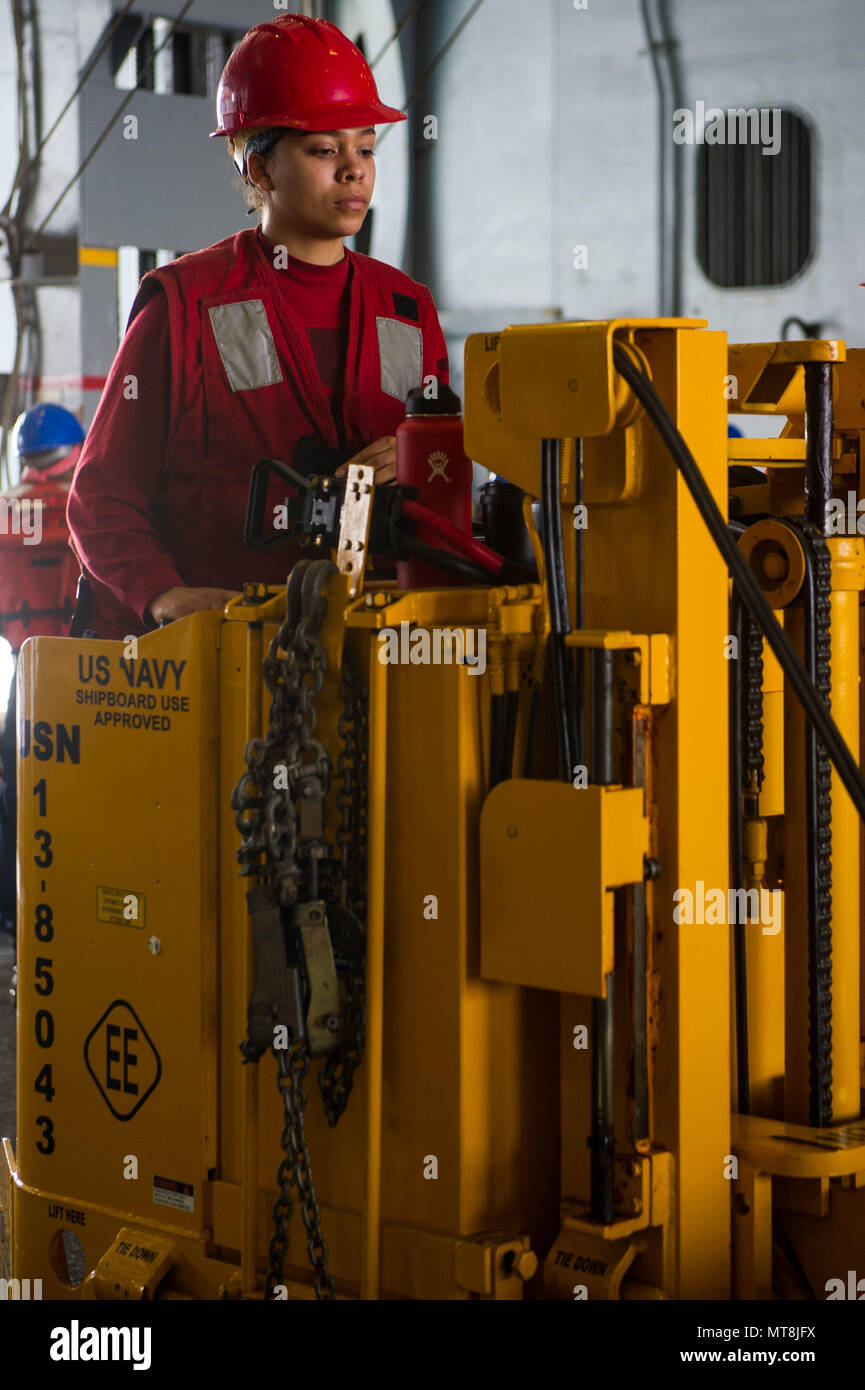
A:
(278, 342)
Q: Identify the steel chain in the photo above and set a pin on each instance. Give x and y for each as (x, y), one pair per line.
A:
(823, 681)
(336, 1076)
(753, 770)
(265, 805)
(294, 1171)
(820, 975)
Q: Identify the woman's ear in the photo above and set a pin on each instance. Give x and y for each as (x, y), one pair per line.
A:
(256, 173)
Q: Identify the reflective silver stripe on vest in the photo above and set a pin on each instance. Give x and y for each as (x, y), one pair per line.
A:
(245, 344)
(400, 351)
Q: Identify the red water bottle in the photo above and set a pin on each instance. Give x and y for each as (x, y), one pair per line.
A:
(430, 457)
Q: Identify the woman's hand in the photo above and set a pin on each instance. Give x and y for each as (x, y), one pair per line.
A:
(180, 602)
(381, 456)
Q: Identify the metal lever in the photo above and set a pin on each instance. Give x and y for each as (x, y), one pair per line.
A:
(276, 997)
(324, 1021)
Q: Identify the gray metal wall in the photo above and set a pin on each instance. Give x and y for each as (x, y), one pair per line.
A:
(169, 187)
(549, 140)
(810, 58)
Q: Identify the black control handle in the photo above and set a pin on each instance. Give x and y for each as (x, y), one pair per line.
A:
(255, 502)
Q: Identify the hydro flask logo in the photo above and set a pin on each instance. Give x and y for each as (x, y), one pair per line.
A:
(438, 463)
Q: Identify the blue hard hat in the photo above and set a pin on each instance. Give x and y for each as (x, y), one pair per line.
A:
(45, 427)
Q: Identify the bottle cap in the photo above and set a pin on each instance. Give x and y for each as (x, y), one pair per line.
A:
(447, 402)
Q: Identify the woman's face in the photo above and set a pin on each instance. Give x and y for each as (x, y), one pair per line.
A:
(318, 185)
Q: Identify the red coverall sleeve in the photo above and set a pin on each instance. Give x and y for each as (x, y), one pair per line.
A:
(113, 501)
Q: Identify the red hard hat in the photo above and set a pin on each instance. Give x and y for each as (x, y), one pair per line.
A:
(299, 72)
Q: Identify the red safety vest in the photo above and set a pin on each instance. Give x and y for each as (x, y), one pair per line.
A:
(244, 386)
(38, 572)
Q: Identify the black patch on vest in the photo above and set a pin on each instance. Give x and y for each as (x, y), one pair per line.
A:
(406, 306)
(312, 457)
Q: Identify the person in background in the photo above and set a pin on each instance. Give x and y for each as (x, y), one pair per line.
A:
(38, 578)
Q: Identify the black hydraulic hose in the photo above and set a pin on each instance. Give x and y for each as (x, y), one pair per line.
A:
(580, 749)
(601, 679)
(807, 693)
(512, 572)
(640, 1015)
(739, 627)
(563, 673)
(512, 705)
(443, 559)
(603, 1139)
(532, 736)
(496, 737)
(818, 431)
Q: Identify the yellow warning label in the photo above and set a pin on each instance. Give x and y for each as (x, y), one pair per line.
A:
(120, 907)
(97, 255)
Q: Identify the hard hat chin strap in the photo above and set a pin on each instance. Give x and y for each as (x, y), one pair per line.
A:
(260, 142)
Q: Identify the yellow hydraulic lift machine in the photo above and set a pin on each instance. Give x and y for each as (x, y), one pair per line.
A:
(351, 967)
